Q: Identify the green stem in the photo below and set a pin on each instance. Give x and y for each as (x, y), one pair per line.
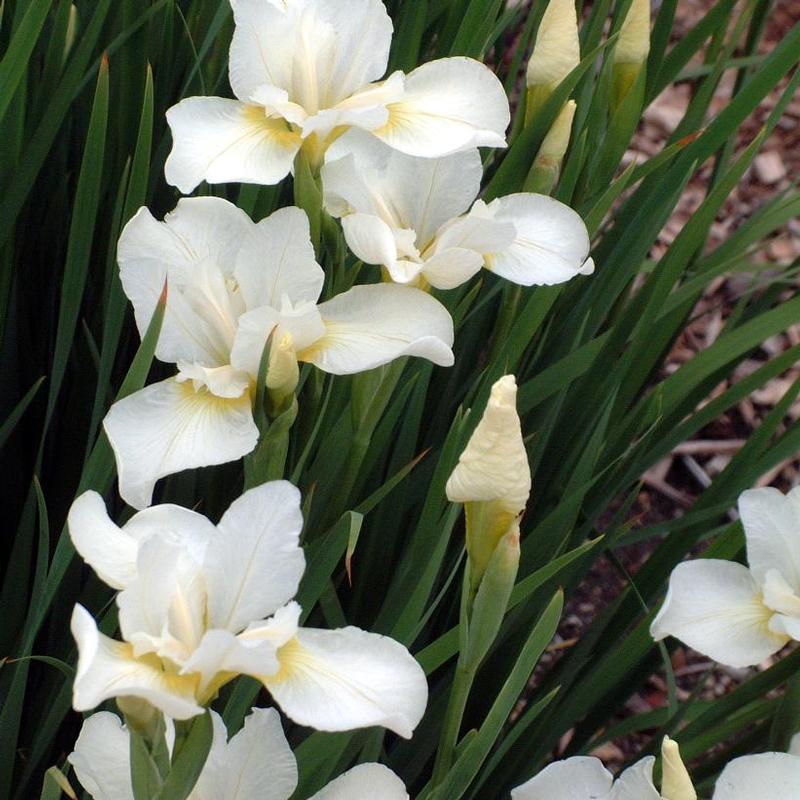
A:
(459, 693)
(508, 314)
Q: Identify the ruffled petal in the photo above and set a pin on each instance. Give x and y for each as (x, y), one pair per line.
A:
(449, 105)
(715, 607)
(191, 250)
(369, 326)
(578, 778)
(254, 564)
(107, 669)
(101, 758)
(276, 259)
(168, 427)
(344, 679)
(364, 782)
(226, 141)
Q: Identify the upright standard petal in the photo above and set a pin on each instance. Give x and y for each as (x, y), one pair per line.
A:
(254, 564)
(276, 259)
(372, 325)
(344, 679)
(191, 250)
(363, 175)
(771, 523)
(169, 427)
(551, 244)
(101, 758)
(364, 782)
(579, 778)
(220, 141)
(715, 607)
(370, 239)
(256, 763)
(107, 669)
(768, 776)
(449, 105)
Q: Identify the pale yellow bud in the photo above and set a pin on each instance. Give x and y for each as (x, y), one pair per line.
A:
(557, 50)
(676, 783)
(555, 144)
(284, 373)
(633, 45)
(494, 465)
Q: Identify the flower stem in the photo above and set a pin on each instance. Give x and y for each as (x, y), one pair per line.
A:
(459, 693)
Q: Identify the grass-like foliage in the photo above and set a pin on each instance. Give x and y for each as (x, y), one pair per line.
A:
(84, 88)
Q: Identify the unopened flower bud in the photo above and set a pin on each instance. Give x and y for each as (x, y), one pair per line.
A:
(557, 50)
(675, 783)
(284, 373)
(633, 45)
(492, 478)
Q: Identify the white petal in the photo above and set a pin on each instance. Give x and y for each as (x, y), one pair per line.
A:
(107, 669)
(225, 141)
(101, 758)
(107, 549)
(578, 778)
(182, 526)
(449, 105)
(420, 194)
(344, 679)
(551, 246)
(256, 763)
(636, 783)
(320, 51)
(369, 326)
(276, 259)
(225, 382)
(168, 427)
(303, 327)
(370, 239)
(192, 250)
(478, 231)
(451, 267)
(794, 745)
(364, 782)
(254, 564)
(772, 528)
(715, 607)
(771, 776)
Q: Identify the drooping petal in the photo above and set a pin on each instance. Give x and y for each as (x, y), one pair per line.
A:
(449, 105)
(420, 194)
(551, 244)
(168, 427)
(772, 529)
(192, 250)
(370, 239)
(452, 267)
(372, 325)
(254, 564)
(364, 782)
(101, 758)
(344, 679)
(276, 258)
(715, 607)
(107, 549)
(256, 763)
(478, 231)
(578, 778)
(226, 141)
(773, 776)
(107, 669)
(636, 783)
